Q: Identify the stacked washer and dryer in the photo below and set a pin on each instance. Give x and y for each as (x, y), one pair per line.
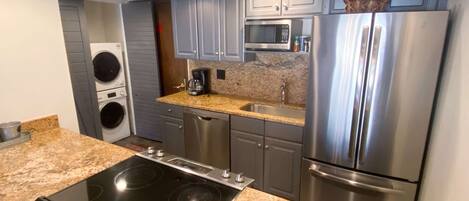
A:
(111, 89)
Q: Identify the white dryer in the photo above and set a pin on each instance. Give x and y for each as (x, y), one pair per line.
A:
(114, 114)
(108, 65)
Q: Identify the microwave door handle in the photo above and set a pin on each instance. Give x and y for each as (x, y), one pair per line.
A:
(314, 169)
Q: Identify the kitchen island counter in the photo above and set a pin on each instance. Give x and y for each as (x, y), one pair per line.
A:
(57, 158)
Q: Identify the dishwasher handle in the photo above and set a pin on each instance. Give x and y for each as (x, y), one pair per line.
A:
(203, 118)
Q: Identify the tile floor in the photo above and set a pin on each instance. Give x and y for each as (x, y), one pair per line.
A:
(138, 144)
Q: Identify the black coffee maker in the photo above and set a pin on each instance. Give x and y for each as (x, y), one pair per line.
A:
(199, 84)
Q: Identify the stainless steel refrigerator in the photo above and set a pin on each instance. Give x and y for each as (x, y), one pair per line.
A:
(372, 84)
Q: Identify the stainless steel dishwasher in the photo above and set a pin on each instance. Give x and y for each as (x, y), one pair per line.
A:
(207, 137)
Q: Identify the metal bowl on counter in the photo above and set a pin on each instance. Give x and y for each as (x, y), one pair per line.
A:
(9, 130)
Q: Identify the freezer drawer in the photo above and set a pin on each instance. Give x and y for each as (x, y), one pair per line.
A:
(321, 182)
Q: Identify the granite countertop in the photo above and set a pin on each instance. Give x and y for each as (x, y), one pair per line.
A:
(56, 158)
(229, 105)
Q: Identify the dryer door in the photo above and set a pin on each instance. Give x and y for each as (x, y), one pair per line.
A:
(112, 115)
(106, 67)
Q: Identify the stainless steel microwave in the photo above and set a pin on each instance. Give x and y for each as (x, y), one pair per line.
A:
(271, 34)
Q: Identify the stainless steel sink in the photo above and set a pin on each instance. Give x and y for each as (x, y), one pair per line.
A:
(284, 111)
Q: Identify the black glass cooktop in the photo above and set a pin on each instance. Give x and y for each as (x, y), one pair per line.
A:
(139, 179)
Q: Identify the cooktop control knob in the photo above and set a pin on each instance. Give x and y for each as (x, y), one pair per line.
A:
(151, 150)
(239, 178)
(160, 153)
(226, 174)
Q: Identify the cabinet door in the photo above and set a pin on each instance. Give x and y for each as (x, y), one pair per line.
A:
(301, 7)
(282, 168)
(338, 6)
(208, 26)
(231, 30)
(247, 156)
(173, 136)
(184, 17)
(256, 8)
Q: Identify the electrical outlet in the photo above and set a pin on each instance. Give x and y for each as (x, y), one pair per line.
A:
(220, 74)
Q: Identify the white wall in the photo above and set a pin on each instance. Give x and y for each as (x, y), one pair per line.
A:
(34, 75)
(104, 22)
(447, 175)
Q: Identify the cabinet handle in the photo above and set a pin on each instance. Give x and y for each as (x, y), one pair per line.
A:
(195, 51)
(266, 147)
(259, 145)
(222, 53)
(277, 8)
(170, 110)
(285, 6)
(180, 126)
(216, 53)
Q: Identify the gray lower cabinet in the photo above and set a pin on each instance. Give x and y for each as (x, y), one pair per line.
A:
(268, 152)
(338, 6)
(173, 135)
(247, 155)
(184, 19)
(282, 164)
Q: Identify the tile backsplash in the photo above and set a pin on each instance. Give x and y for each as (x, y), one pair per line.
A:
(262, 78)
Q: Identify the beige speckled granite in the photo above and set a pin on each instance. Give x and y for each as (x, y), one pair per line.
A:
(250, 194)
(262, 78)
(51, 161)
(41, 124)
(226, 104)
(57, 158)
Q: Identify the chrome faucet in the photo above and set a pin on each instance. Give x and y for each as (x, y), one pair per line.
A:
(283, 92)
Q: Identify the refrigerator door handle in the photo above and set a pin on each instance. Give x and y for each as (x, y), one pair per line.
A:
(359, 92)
(369, 90)
(315, 169)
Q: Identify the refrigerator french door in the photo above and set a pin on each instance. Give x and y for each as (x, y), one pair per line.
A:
(372, 83)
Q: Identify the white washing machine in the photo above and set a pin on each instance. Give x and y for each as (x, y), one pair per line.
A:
(114, 114)
(108, 65)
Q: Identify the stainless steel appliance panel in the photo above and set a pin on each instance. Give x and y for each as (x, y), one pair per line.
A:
(207, 137)
(402, 76)
(321, 182)
(336, 78)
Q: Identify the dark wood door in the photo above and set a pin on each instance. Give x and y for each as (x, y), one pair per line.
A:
(173, 70)
(247, 155)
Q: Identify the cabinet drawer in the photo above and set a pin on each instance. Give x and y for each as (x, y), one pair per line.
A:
(250, 125)
(170, 110)
(284, 131)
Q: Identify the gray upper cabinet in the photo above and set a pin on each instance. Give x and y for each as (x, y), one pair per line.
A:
(282, 168)
(208, 29)
(301, 7)
(260, 8)
(247, 156)
(275, 8)
(231, 30)
(184, 19)
(338, 6)
(208, 26)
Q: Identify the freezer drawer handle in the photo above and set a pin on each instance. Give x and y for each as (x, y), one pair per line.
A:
(314, 169)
